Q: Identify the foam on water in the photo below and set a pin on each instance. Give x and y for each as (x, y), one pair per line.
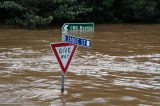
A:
(17, 59)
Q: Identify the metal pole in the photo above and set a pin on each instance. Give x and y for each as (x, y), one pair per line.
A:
(62, 84)
(62, 78)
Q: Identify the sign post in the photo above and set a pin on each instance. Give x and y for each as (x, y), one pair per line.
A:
(62, 83)
(64, 53)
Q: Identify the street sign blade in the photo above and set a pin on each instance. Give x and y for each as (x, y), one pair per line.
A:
(77, 40)
(78, 26)
(64, 53)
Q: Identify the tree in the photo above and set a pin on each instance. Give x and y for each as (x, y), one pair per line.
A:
(145, 10)
(40, 13)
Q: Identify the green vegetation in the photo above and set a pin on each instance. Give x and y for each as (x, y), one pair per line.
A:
(40, 13)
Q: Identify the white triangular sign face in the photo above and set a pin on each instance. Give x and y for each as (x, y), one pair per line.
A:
(64, 53)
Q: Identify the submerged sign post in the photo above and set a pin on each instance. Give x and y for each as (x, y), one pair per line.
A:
(64, 53)
(78, 26)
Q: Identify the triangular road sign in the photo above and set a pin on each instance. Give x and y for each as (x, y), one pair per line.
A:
(64, 53)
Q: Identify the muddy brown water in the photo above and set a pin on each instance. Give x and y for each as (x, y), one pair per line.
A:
(121, 68)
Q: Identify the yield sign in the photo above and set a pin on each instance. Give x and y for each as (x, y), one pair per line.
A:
(64, 53)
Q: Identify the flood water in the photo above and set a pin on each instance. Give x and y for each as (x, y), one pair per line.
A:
(121, 68)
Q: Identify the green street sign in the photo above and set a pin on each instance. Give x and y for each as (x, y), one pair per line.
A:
(78, 26)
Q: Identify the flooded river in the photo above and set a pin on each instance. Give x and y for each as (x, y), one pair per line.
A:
(121, 68)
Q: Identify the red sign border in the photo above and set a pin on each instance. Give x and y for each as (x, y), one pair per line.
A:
(53, 47)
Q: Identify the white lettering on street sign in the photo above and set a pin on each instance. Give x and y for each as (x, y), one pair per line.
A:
(78, 26)
(77, 40)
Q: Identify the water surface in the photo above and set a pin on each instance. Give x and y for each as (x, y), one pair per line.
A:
(121, 68)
